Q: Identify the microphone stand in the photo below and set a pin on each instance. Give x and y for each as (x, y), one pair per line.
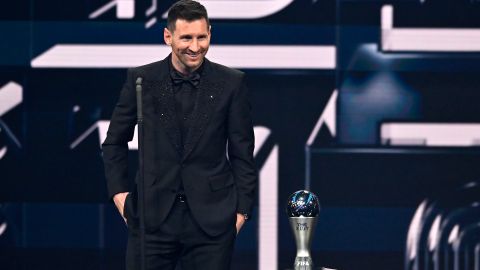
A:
(141, 186)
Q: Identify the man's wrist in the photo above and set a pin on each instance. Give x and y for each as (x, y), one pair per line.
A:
(120, 195)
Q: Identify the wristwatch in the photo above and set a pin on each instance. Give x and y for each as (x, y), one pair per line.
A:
(246, 216)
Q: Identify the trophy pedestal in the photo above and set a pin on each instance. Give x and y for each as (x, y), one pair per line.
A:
(302, 211)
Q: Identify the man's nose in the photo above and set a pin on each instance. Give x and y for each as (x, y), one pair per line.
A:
(194, 45)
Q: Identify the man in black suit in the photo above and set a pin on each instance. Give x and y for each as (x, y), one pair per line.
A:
(199, 171)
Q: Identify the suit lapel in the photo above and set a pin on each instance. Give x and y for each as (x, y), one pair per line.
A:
(164, 102)
(207, 97)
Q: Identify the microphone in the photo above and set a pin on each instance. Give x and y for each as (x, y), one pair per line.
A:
(138, 82)
(141, 188)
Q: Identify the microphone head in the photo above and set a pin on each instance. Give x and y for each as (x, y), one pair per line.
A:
(303, 203)
(139, 80)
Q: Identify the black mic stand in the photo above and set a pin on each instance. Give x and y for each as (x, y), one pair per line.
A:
(141, 189)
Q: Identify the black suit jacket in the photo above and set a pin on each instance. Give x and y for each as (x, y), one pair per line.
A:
(217, 186)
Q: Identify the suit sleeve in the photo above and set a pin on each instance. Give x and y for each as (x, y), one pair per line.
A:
(120, 132)
(240, 148)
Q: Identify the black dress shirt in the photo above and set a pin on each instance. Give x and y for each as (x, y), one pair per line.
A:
(185, 89)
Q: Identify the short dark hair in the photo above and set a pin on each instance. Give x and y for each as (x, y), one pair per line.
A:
(188, 10)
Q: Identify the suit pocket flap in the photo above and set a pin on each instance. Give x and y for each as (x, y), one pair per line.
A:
(221, 181)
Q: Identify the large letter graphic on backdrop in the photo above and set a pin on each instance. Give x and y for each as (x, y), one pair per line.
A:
(235, 56)
(11, 95)
(412, 39)
(240, 9)
(217, 9)
(329, 118)
(125, 9)
(267, 204)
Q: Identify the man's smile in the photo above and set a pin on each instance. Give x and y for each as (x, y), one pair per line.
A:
(193, 55)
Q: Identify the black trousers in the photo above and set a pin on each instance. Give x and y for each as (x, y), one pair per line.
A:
(181, 241)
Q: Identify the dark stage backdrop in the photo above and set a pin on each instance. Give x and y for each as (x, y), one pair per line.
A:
(372, 105)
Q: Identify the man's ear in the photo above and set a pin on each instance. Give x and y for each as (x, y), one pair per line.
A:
(167, 36)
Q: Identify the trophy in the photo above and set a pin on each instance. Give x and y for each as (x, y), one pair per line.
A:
(302, 211)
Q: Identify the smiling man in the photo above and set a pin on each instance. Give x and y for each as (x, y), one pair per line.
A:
(199, 172)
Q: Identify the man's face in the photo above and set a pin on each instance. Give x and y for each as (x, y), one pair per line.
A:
(189, 42)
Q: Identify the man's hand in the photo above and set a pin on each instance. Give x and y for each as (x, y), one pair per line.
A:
(119, 200)
(240, 222)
